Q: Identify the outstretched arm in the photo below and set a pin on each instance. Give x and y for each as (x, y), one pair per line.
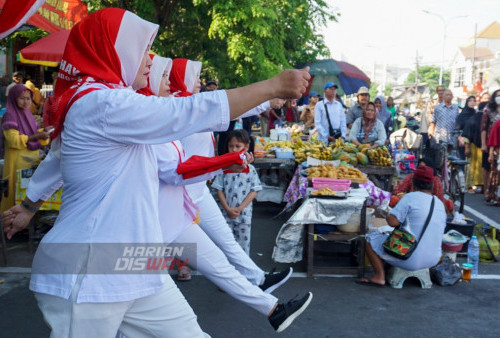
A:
(290, 83)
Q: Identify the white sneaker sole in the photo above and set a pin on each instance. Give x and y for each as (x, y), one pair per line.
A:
(294, 315)
(280, 283)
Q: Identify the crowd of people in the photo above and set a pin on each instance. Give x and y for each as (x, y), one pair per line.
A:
(123, 115)
(372, 122)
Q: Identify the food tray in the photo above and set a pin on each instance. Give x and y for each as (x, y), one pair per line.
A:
(332, 183)
(338, 195)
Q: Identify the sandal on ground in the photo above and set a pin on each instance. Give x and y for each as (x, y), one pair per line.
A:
(184, 274)
(368, 282)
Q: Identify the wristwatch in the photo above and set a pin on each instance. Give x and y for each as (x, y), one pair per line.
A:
(29, 207)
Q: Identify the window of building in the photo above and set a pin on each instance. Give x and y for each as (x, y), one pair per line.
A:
(459, 77)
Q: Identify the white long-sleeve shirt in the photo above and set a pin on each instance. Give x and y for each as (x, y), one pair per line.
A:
(110, 174)
(337, 118)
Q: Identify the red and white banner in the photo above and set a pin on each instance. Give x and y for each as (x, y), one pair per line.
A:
(16, 12)
(56, 15)
(49, 15)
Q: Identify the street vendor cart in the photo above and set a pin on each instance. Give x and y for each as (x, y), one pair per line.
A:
(300, 229)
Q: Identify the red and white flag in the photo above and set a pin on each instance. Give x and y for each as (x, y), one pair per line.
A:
(16, 12)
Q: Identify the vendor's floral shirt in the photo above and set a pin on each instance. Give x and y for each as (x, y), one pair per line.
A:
(406, 186)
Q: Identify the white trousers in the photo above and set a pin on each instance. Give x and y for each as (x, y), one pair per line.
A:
(213, 264)
(215, 226)
(163, 314)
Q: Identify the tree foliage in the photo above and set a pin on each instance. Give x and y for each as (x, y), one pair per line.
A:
(429, 75)
(238, 41)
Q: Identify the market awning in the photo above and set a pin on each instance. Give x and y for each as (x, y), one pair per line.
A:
(47, 51)
(347, 76)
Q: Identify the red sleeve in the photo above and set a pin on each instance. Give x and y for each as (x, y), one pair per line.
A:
(199, 165)
(494, 138)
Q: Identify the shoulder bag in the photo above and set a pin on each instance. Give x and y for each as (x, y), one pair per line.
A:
(332, 132)
(401, 244)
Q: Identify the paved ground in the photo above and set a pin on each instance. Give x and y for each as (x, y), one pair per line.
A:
(339, 308)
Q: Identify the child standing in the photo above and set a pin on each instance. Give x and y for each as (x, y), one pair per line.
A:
(236, 191)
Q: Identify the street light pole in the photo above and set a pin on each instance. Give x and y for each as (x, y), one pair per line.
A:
(445, 25)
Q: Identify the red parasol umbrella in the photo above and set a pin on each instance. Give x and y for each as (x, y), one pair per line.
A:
(47, 51)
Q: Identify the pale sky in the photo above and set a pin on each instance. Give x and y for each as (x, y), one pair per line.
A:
(391, 31)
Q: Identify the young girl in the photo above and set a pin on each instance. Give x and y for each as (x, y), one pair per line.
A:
(236, 191)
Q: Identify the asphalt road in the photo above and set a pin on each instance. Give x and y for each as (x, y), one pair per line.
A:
(340, 307)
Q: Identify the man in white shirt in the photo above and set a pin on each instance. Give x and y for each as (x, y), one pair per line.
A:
(329, 117)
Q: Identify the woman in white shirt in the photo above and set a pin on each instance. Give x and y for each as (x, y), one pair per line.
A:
(110, 179)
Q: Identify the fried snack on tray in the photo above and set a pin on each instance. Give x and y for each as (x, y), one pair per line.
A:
(342, 172)
(324, 191)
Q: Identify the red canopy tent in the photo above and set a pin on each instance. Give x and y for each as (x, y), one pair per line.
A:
(47, 51)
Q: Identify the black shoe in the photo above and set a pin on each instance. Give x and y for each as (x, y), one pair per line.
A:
(273, 280)
(285, 314)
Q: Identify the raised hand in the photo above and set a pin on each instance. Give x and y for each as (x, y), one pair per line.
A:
(291, 83)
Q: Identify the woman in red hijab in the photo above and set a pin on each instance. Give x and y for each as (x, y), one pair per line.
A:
(21, 138)
(106, 133)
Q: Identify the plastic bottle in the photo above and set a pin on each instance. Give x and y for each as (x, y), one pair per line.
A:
(473, 255)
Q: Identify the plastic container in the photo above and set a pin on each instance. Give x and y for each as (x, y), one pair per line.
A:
(285, 154)
(332, 183)
(466, 271)
(473, 255)
(464, 229)
(354, 222)
(452, 247)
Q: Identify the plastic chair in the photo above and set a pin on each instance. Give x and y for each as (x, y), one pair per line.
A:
(397, 277)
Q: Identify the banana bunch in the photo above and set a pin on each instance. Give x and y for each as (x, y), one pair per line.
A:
(380, 156)
(339, 143)
(312, 149)
(278, 144)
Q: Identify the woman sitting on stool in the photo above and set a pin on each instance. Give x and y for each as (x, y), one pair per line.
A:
(411, 213)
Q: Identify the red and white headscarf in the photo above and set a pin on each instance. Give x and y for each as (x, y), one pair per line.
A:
(183, 76)
(106, 47)
(160, 65)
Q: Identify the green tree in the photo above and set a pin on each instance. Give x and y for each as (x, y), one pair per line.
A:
(238, 41)
(373, 91)
(429, 75)
(388, 90)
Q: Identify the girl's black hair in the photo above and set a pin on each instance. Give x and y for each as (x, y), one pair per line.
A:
(242, 136)
(492, 105)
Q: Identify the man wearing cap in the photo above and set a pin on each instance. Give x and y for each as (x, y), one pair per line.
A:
(17, 78)
(329, 117)
(356, 111)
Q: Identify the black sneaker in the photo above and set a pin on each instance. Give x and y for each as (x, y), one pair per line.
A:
(285, 314)
(273, 280)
